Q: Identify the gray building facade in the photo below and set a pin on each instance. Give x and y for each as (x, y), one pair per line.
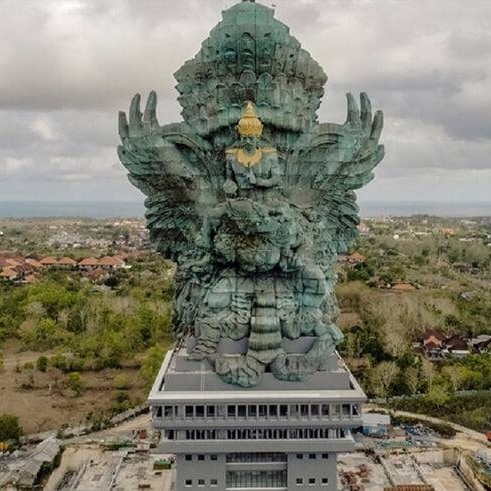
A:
(276, 436)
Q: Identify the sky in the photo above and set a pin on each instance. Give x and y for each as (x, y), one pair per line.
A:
(68, 66)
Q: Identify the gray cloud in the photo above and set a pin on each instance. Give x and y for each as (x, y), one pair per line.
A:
(68, 66)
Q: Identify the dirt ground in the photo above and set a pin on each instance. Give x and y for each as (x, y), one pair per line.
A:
(50, 403)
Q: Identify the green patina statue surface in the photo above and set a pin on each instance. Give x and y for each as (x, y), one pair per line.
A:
(252, 196)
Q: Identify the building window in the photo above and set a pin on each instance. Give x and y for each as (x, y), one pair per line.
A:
(189, 411)
(210, 411)
(231, 411)
(273, 411)
(201, 457)
(188, 457)
(325, 455)
(346, 410)
(314, 410)
(200, 411)
(168, 411)
(325, 481)
(263, 410)
(241, 410)
(214, 482)
(213, 457)
(304, 410)
(159, 411)
(252, 411)
(299, 480)
(299, 455)
(188, 482)
(311, 481)
(325, 409)
(201, 482)
(312, 456)
(283, 410)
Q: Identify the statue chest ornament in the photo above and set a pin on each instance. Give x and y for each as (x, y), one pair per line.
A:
(249, 159)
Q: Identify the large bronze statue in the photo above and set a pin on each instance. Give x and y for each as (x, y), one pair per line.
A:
(253, 197)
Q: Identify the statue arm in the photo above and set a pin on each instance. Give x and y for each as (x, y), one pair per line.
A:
(274, 178)
(229, 186)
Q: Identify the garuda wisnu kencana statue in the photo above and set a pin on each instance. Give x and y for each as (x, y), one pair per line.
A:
(252, 197)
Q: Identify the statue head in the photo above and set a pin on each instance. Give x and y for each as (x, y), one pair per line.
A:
(250, 129)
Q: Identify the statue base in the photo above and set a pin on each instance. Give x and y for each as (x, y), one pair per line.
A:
(279, 435)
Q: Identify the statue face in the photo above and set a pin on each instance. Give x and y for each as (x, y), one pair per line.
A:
(248, 143)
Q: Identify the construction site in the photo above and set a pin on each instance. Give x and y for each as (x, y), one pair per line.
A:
(126, 457)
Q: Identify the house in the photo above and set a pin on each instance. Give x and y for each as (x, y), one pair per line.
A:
(481, 344)
(355, 258)
(88, 264)
(48, 261)
(433, 338)
(66, 262)
(111, 263)
(8, 274)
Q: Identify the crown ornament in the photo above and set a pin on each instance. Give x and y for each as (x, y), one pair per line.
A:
(250, 124)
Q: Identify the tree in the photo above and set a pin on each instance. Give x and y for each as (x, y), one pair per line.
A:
(382, 377)
(76, 383)
(438, 395)
(151, 366)
(10, 428)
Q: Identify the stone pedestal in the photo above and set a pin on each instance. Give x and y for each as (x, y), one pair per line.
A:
(278, 435)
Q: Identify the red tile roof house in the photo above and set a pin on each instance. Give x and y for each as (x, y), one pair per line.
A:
(48, 261)
(88, 264)
(111, 263)
(355, 258)
(8, 274)
(66, 262)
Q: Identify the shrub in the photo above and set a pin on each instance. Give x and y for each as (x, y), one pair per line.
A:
(75, 383)
(42, 363)
(10, 428)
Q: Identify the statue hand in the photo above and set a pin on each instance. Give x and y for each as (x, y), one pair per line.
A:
(230, 188)
(141, 129)
(360, 133)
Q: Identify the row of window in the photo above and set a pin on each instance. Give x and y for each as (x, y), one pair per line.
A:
(312, 481)
(254, 411)
(262, 434)
(255, 457)
(201, 482)
(200, 457)
(256, 479)
(259, 478)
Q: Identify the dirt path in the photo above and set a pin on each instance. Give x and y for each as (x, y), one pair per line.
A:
(465, 438)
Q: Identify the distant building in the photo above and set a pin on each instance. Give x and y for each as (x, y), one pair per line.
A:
(375, 424)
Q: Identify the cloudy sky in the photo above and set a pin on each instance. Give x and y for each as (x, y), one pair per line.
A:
(68, 66)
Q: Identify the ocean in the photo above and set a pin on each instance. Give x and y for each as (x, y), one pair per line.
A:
(127, 209)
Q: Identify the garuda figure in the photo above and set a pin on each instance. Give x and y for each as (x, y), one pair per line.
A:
(252, 197)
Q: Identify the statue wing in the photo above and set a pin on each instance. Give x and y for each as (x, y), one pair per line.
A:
(173, 168)
(326, 169)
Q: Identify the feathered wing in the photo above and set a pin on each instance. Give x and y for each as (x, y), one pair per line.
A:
(330, 165)
(170, 166)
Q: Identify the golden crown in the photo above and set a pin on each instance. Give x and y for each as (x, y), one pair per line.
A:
(250, 124)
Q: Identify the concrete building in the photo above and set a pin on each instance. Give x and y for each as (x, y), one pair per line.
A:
(279, 435)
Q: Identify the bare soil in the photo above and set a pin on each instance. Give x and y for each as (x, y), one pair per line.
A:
(43, 400)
